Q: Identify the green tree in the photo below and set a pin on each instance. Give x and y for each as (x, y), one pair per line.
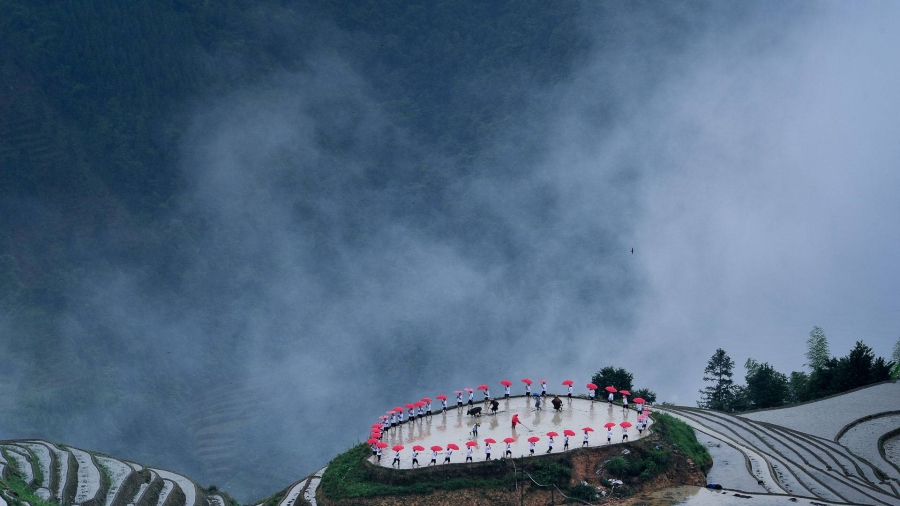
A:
(798, 385)
(817, 348)
(612, 376)
(766, 387)
(719, 371)
(644, 393)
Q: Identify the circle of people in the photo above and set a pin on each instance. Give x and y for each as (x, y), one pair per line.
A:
(423, 408)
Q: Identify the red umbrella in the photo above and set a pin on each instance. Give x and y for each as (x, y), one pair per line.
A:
(436, 448)
(543, 381)
(418, 404)
(419, 448)
(375, 433)
(509, 440)
(533, 439)
(569, 432)
(639, 400)
(471, 443)
(482, 387)
(426, 399)
(506, 383)
(398, 409)
(552, 434)
(624, 392)
(458, 391)
(610, 424)
(382, 445)
(397, 448)
(383, 417)
(527, 381)
(376, 425)
(611, 390)
(568, 382)
(467, 389)
(441, 397)
(409, 406)
(371, 441)
(452, 446)
(625, 424)
(587, 429)
(490, 440)
(591, 386)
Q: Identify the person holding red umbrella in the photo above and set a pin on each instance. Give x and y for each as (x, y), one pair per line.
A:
(550, 446)
(434, 450)
(487, 451)
(471, 397)
(566, 440)
(506, 384)
(569, 388)
(443, 399)
(609, 435)
(508, 442)
(543, 388)
(397, 449)
(531, 442)
(459, 401)
(447, 454)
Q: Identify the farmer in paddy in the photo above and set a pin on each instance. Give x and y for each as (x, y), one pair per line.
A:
(515, 420)
(494, 406)
(537, 402)
(459, 402)
(543, 388)
(557, 403)
(475, 430)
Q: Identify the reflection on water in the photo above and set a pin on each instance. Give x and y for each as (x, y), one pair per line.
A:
(684, 495)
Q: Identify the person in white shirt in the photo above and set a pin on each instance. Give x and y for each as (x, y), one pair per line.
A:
(487, 451)
(428, 408)
(396, 459)
(373, 450)
(591, 394)
(624, 434)
(393, 419)
(506, 390)
(415, 461)
(378, 454)
(459, 402)
(412, 414)
(475, 430)
(468, 454)
(447, 455)
(444, 404)
(421, 411)
(384, 425)
(640, 407)
(487, 394)
(471, 398)
(531, 448)
(433, 457)
(569, 388)
(609, 436)
(401, 417)
(508, 450)
(584, 439)
(566, 442)
(550, 447)
(527, 390)
(543, 388)
(610, 398)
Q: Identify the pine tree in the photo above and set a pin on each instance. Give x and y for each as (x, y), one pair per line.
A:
(719, 370)
(817, 349)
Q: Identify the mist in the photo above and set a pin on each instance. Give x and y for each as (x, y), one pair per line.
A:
(347, 264)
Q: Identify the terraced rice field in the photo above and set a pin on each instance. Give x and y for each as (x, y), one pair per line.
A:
(783, 459)
(70, 477)
(892, 450)
(454, 426)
